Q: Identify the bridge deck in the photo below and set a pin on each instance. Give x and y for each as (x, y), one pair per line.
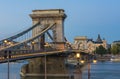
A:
(31, 55)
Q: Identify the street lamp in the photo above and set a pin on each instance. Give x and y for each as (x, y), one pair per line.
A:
(7, 56)
(89, 66)
(78, 57)
(94, 61)
(46, 45)
(82, 61)
(32, 43)
(89, 69)
(45, 67)
(78, 71)
(5, 41)
(8, 65)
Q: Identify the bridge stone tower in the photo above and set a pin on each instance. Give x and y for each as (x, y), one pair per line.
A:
(46, 17)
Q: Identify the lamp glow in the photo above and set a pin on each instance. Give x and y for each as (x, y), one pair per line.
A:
(82, 61)
(33, 42)
(94, 61)
(78, 55)
(5, 41)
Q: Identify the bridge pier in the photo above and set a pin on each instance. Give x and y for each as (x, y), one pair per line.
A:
(55, 67)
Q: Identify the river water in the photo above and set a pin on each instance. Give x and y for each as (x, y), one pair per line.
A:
(100, 70)
(103, 70)
(14, 69)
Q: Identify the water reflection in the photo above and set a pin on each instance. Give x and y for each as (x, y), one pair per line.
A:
(101, 70)
(47, 78)
(14, 70)
(53, 76)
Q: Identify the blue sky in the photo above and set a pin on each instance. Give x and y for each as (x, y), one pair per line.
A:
(84, 17)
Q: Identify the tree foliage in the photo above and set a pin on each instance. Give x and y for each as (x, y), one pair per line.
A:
(109, 51)
(101, 50)
(115, 49)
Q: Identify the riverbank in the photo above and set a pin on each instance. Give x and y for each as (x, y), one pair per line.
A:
(104, 58)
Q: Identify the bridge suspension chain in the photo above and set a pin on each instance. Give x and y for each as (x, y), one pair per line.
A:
(25, 41)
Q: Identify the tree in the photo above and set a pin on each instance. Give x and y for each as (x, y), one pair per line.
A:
(115, 49)
(101, 50)
(109, 51)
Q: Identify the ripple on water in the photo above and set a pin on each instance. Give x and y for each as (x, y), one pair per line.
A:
(103, 70)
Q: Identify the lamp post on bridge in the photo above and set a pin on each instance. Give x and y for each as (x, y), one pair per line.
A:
(45, 67)
(33, 43)
(7, 55)
(7, 43)
(9, 52)
(89, 65)
(79, 57)
(46, 45)
(78, 71)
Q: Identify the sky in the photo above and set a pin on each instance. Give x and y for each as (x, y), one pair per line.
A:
(84, 17)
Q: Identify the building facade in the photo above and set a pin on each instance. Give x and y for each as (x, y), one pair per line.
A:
(88, 45)
(116, 42)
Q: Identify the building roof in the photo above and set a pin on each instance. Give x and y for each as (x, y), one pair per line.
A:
(99, 40)
(118, 41)
(91, 40)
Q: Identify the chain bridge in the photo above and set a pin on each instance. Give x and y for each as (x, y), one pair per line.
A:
(45, 36)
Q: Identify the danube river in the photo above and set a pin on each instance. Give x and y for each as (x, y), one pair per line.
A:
(100, 70)
(103, 70)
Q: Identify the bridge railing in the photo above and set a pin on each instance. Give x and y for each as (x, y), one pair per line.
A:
(14, 55)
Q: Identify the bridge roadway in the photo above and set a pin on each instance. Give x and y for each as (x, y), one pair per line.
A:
(32, 55)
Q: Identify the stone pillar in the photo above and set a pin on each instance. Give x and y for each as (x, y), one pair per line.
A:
(55, 67)
(37, 65)
(47, 17)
